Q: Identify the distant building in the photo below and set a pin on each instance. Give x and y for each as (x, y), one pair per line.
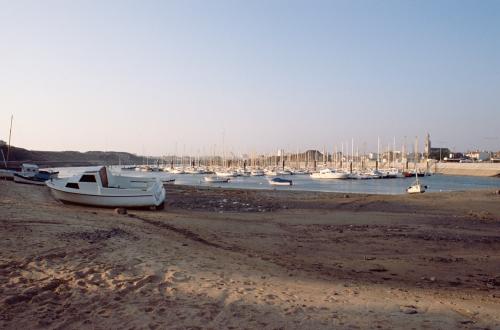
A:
(438, 153)
(479, 155)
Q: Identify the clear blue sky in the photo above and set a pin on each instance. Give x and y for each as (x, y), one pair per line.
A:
(147, 76)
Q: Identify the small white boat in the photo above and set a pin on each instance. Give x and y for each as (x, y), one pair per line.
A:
(416, 187)
(216, 179)
(280, 182)
(329, 174)
(227, 174)
(360, 176)
(271, 173)
(301, 172)
(194, 170)
(257, 172)
(102, 188)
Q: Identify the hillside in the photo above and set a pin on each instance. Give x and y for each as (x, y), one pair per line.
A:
(66, 158)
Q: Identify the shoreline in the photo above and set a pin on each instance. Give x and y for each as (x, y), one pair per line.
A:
(229, 258)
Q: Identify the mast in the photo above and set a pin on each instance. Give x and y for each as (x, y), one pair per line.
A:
(10, 134)
(394, 153)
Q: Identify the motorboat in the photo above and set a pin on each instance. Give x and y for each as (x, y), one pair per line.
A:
(300, 172)
(280, 182)
(257, 172)
(227, 174)
(360, 176)
(102, 188)
(271, 173)
(194, 170)
(216, 179)
(327, 173)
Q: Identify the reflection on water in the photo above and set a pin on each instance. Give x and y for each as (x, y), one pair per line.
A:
(435, 183)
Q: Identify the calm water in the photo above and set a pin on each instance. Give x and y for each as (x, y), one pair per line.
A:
(435, 183)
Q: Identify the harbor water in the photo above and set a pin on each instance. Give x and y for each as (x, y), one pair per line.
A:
(435, 183)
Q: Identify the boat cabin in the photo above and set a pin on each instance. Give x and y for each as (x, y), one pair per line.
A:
(29, 168)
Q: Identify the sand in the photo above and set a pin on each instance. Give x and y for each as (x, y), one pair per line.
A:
(231, 259)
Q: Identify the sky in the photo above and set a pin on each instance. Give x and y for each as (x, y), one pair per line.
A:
(157, 77)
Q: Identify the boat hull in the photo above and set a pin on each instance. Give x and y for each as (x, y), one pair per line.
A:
(109, 200)
(330, 176)
(216, 180)
(28, 180)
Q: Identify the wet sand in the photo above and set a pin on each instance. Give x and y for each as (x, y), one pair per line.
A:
(231, 259)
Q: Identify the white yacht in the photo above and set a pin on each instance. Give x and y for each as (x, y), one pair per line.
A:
(330, 174)
(216, 179)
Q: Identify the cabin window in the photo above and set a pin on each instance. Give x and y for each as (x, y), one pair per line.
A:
(72, 185)
(87, 178)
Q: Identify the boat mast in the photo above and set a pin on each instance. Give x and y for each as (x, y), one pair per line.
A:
(10, 134)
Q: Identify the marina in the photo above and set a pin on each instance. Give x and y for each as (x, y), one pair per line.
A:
(435, 183)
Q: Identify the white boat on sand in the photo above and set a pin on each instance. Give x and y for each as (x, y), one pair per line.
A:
(102, 188)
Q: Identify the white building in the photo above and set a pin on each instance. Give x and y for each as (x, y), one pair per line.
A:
(479, 155)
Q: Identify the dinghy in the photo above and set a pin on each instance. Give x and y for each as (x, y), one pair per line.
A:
(216, 179)
(102, 188)
(280, 182)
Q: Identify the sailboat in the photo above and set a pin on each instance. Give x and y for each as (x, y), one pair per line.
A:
(416, 187)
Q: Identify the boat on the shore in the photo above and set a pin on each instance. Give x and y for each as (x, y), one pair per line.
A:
(417, 187)
(102, 188)
(27, 171)
(216, 179)
(37, 179)
(280, 182)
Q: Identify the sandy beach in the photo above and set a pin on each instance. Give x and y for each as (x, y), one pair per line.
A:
(237, 259)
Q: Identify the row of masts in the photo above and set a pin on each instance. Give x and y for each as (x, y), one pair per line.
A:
(345, 155)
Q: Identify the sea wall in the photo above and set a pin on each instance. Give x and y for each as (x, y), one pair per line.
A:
(475, 169)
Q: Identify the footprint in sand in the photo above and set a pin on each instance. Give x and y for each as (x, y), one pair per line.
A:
(176, 276)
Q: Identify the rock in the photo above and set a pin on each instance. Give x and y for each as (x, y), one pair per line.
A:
(16, 299)
(409, 309)
(497, 192)
(346, 196)
(377, 268)
(120, 210)
(432, 279)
